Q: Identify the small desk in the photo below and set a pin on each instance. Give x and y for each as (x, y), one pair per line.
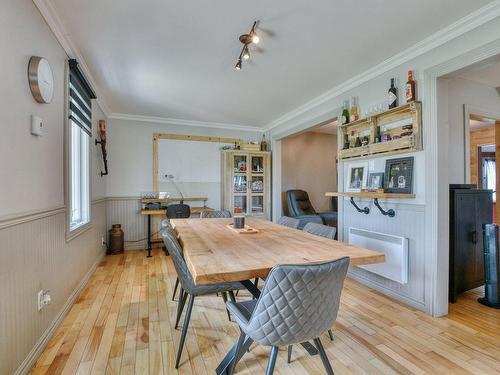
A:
(215, 254)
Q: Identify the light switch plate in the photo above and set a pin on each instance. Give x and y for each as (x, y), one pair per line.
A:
(36, 125)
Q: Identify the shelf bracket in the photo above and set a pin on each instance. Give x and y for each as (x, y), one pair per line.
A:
(365, 210)
(389, 213)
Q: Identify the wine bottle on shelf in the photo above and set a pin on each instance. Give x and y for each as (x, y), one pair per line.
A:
(410, 88)
(358, 141)
(346, 141)
(393, 95)
(352, 141)
(345, 113)
(354, 109)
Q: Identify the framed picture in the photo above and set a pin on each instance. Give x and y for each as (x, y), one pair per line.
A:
(375, 181)
(357, 177)
(399, 175)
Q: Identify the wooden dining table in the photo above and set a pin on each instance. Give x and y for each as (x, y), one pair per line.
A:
(215, 253)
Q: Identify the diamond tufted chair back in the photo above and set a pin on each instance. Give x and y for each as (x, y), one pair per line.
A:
(298, 303)
(320, 230)
(289, 222)
(215, 214)
(175, 251)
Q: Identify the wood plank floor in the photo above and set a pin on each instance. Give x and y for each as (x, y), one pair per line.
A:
(123, 324)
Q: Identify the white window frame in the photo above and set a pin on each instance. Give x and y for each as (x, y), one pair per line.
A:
(83, 189)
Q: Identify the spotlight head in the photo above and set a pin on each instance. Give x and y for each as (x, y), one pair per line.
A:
(255, 38)
(238, 65)
(246, 53)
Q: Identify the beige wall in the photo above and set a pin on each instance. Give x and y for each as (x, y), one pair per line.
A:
(308, 163)
(34, 253)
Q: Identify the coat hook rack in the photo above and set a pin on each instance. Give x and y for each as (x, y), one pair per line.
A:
(102, 142)
(365, 210)
(389, 212)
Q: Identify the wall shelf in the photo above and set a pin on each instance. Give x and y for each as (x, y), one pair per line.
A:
(370, 195)
(390, 122)
(375, 195)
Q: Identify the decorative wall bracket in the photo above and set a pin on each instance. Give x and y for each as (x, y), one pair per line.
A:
(102, 142)
(365, 210)
(389, 212)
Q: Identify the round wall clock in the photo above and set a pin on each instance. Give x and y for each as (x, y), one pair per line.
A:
(41, 79)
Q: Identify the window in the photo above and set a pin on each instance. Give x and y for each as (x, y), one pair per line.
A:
(80, 132)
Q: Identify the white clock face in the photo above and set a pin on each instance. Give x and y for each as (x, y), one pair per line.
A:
(41, 79)
(45, 81)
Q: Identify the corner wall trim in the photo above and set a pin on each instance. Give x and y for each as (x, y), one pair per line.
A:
(456, 29)
(37, 350)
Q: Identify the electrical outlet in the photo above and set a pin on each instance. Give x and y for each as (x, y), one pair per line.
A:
(43, 298)
(103, 241)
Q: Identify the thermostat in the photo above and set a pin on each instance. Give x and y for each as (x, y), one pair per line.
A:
(36, 125)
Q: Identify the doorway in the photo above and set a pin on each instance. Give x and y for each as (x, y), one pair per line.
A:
(482, 155)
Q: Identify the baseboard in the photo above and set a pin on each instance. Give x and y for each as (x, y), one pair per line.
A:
(389, 293)
(37, 350)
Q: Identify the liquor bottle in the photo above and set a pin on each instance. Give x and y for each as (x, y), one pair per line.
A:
(346, 141)
(358, 141)
(410, 88)
(263, 143)
(393, 95)
(354, 109)
(345, 113)
(352, 141)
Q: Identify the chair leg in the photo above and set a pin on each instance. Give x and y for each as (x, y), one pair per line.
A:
(256, 282)
(224, 297)
(175, 288)
(239, 345)
(272, 360)
(231, 296)
(289, 353)
(184, 330)
(180, 307)
(324, 357)
(330, 333)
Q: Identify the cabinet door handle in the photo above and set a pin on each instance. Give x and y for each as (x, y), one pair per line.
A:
(474, 237)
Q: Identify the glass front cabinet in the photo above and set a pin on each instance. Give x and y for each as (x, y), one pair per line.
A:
(246, 180)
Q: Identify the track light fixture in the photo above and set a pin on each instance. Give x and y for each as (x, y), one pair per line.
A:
(247, 39)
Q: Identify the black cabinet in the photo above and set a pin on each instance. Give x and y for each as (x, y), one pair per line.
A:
(469, 209)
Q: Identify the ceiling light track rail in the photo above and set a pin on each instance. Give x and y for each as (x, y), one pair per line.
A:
(247, 39)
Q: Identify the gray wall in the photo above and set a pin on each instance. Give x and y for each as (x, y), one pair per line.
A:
(130, 149)
(34, 253)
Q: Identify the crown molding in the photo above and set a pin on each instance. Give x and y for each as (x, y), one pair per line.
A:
(50, 15)
(175, 121)
(456, 29)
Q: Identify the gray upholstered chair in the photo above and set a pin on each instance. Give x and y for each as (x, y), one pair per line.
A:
(178, 211)
(289, 222)
(166, 226)
(189, 289)
(320, 230)
(215, 214)
(298, 303)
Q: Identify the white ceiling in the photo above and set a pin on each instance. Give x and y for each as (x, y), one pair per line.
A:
(175, 59)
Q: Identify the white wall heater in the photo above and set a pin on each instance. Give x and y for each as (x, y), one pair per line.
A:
(395, 249)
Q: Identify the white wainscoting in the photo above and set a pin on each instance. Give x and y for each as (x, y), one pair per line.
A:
(34, 254)
(408, 223)
(126, 211)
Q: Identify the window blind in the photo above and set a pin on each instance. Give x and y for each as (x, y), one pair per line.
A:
(80, 96)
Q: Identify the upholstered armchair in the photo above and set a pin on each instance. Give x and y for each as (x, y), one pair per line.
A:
(300, 207)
